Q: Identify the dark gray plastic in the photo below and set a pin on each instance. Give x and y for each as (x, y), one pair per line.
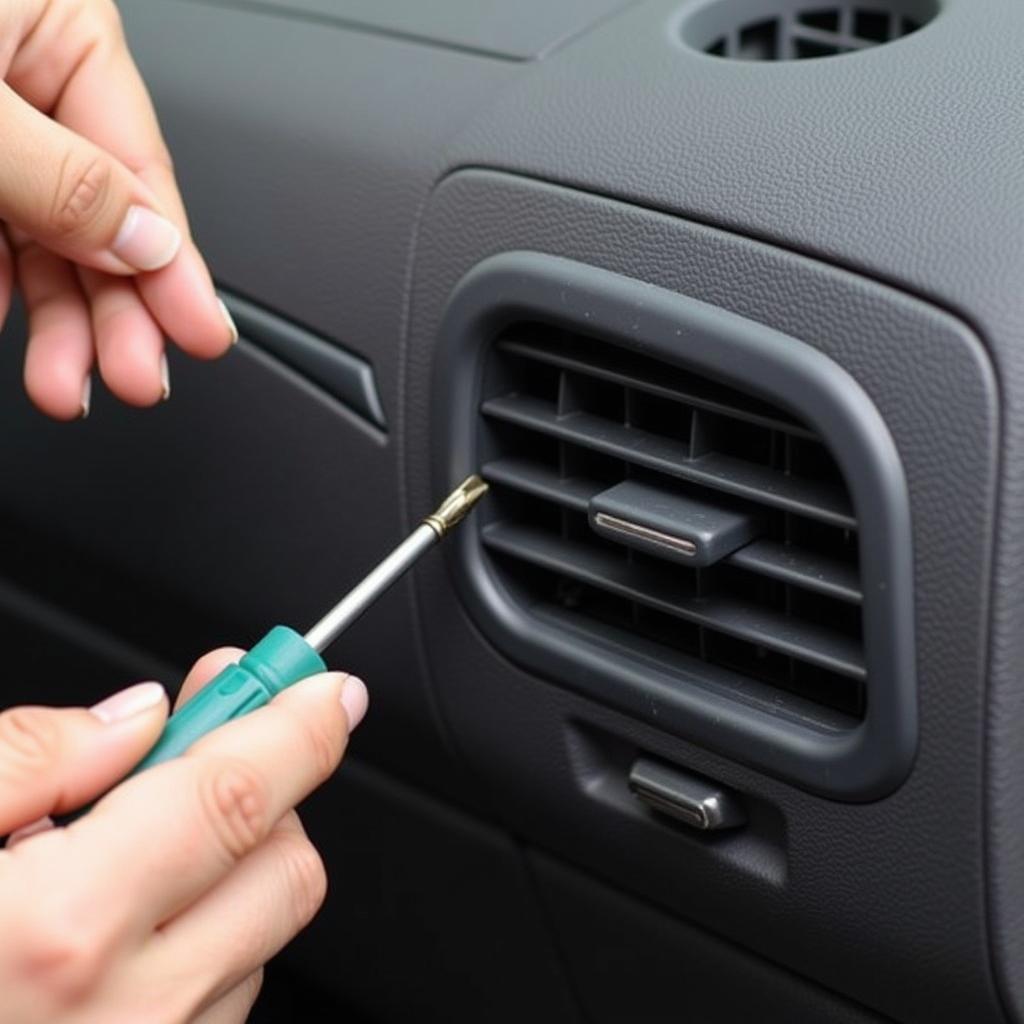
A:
(341, 374)
(812, 498)
(857, 903)
(768, 628)
(861, 762)
(674, 526)
(631, 964)
(810, 571)
(516, 30)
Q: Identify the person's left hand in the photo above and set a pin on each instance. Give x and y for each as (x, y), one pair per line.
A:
(92, 226)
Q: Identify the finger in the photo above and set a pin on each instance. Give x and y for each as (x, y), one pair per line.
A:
(129, 345)
(75, 198)
(180, 296)
(6, 276)
(235, 1007)
(90, 82)
(53, 760)
(205, 669)
(184, 304)
(189, 821)
(60, 348)
(246, 919)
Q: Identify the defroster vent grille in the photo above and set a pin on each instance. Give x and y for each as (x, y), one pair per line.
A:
(570, 417)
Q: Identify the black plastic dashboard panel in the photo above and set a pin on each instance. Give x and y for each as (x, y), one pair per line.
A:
(347, 377)
(858, 883)
(859, 762)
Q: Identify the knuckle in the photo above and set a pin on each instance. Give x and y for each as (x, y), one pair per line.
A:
(83, 187)
(305, 875)
(62, 957)
(29, 737)
(235, 805)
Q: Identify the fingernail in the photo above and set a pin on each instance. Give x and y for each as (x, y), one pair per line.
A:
(146, 241)
(229, 320)
(165, 378)
(136, 699)
(43, 824)
(354, 699)
(86, 397)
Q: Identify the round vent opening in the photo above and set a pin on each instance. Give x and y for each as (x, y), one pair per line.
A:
(795, 30)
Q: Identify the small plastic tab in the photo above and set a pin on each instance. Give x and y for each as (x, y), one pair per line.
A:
(687, 798)
(670, 525)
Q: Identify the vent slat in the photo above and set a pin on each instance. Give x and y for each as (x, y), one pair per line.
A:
(542, 482)
(762, 484)
(801, 568)
(660, 590)
(787, 563)
(713, 398)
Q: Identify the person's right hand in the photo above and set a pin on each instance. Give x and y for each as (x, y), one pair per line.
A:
(160, 905)
(92, 226)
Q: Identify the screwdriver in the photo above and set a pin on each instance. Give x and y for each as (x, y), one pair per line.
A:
(283, 657)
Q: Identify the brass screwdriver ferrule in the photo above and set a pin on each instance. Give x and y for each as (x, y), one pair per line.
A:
(457, 505)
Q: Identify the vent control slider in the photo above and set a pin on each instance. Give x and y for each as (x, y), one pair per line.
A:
(687, 798)
(670, 525)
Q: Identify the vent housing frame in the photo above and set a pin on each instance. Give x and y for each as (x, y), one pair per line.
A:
(834, 756)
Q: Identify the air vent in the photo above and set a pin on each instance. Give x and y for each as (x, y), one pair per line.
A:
(694, 518)
(571, 417)
(780, 30)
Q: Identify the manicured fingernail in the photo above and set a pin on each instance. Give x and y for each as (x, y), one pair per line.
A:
(146, 241)
(86, 397)
(165, 378)
(229, 320)
(43, 824)
(354, 699)
(136, 699)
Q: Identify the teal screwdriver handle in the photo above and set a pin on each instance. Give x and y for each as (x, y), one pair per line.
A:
(280, 659)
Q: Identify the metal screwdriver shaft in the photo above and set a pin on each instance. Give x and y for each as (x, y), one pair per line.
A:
(283, 657)
(451, 511)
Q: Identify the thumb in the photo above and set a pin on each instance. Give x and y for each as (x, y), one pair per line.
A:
(53, 760)
(75, 198)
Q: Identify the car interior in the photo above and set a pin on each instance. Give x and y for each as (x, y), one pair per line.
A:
(712, 712)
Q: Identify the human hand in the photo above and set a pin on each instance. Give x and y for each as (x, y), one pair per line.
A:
(161, 903)
(91, 222)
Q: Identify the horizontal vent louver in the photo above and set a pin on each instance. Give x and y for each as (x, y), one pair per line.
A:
(567, 416)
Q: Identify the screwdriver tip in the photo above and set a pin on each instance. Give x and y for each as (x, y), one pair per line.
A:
(457, 505)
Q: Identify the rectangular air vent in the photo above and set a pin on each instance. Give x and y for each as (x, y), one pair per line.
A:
(569, 417)
(695, 519)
